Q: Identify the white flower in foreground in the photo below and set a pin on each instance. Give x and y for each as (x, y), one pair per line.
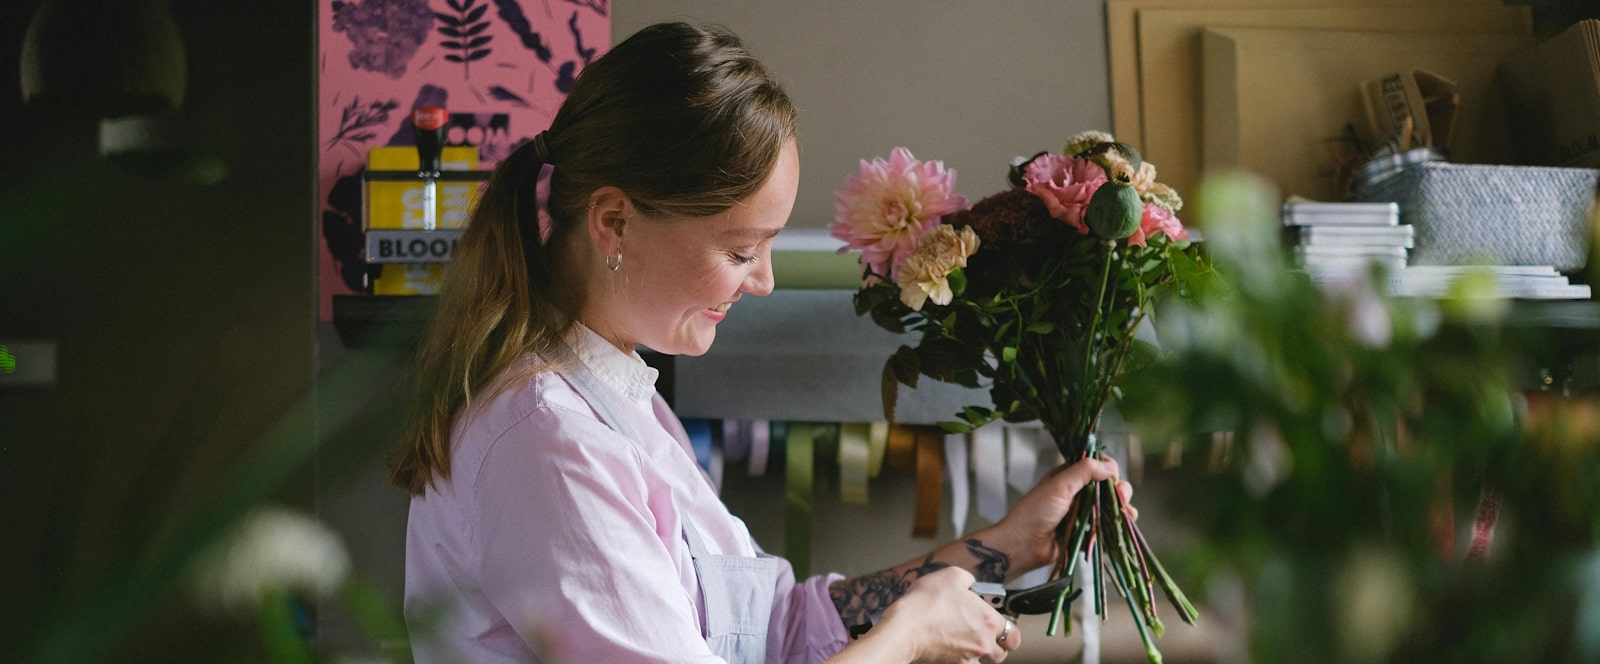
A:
(272, 548)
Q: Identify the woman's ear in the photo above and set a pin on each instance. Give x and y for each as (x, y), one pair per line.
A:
(608, 213)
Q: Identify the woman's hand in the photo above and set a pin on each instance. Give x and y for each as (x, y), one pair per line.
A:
(1029, 529)
(942, 620)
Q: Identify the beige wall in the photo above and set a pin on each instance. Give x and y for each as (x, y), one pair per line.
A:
(971, 83)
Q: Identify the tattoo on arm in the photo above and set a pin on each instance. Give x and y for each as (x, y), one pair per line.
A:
(863, 599)
(992, 564)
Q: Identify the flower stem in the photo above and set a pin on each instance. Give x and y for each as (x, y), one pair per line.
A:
(1150, 649)
(1180, 602)
(1094, 327)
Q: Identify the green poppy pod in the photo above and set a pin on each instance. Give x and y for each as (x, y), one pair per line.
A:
(1114, 210)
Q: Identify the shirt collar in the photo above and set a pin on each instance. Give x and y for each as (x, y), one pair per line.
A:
(624, 372)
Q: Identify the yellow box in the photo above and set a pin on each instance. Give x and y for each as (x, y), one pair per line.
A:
(399, 204)
(409, 279)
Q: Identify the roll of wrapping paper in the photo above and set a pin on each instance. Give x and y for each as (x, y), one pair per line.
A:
(798, 463)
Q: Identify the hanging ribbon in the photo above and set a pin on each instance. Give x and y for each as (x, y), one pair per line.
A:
(798, 464)
(955, 456)
(760, 447)
(989, 471)
(901, 452)
(718, 445)
(735, 440)
(855, 462)
(699, 432)
(929, 462)
(1031, 454)
(878, 439)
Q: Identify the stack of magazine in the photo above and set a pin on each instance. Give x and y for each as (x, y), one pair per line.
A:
(1526, 282)
(1332, 240)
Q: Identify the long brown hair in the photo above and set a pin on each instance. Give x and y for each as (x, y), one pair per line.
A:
(681, 118)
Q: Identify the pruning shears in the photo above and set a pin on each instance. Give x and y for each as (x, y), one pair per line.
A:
(1038, 600)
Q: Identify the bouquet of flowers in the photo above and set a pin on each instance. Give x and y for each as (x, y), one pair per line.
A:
(1035, 293)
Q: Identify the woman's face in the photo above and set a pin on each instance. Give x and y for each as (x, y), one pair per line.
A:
(680, 277)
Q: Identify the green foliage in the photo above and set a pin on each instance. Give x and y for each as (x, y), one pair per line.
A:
(1050, 346)
(1354, 432)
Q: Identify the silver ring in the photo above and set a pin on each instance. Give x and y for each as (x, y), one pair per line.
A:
(1004, 633)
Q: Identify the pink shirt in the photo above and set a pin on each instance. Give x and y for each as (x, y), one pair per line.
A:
(558, 540)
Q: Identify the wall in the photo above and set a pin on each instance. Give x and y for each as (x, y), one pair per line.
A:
(973, 84)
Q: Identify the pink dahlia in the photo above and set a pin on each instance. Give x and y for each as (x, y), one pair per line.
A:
(890, 205)
(1158, 219)
(1065, 184)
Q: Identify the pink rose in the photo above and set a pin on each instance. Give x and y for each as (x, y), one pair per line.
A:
(1065, 184)
(1158, 219)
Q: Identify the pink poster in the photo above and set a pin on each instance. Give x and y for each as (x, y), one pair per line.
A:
(500, 67)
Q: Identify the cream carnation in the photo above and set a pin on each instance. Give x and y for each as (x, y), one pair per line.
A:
(925, 274)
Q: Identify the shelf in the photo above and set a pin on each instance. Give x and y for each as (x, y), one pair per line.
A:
(387, 321)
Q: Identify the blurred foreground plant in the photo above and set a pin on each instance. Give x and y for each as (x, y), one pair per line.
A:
(1337, 436)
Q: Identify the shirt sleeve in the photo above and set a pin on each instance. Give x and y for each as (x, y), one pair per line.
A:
(804, 620)
(570, 550)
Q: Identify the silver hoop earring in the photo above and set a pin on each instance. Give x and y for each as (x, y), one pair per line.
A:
(614, 263)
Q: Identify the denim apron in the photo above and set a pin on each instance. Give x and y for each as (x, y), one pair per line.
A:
(737, 590)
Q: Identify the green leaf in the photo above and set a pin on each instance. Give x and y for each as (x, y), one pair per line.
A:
(887, 320)
(868, 299)
(977, 415)
(948, 360)
(955, 427)
(958, 281)
(1008, 354)
(904, 365)
(1042, 328)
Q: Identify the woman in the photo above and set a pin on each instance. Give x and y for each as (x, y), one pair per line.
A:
(557, 514)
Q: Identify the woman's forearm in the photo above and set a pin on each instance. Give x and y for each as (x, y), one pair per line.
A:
(862, 599)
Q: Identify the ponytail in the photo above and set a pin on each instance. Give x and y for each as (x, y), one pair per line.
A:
(498, 303)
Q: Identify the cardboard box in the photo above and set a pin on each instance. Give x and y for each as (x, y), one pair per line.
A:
(1278, 102)
(1415, 109)
(1170, 69)
(1122, 44)
(1553, 92)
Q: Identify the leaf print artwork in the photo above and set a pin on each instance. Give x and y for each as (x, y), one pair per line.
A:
(356, 120)
(511, 12)
(465, 32)
(577, 38)
(499, 93)
(384, 34)
(598, 6)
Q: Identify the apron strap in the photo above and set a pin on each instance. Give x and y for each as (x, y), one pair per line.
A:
(588, 386)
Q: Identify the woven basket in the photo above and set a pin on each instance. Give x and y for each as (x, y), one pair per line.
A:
(1503, 215)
